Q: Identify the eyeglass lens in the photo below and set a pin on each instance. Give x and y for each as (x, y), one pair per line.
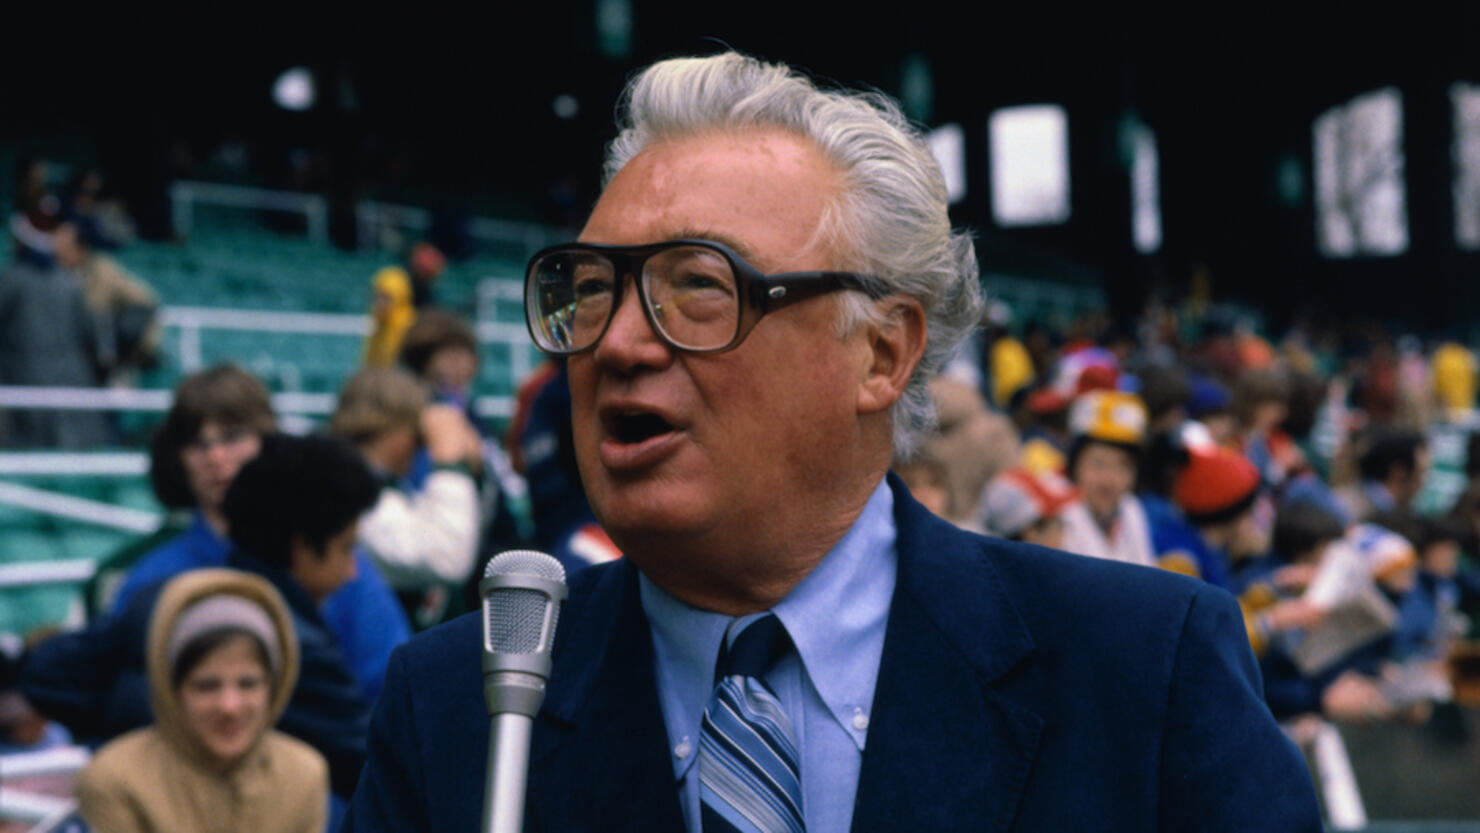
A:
(691, 291)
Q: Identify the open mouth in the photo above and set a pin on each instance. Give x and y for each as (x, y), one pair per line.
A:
(636, 427)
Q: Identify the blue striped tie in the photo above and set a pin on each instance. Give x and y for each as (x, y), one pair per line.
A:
(749, 773)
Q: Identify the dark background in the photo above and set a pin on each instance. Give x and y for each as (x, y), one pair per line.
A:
(449, 106)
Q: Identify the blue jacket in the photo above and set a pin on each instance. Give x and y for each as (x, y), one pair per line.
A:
(364, 615)
(1020, 689)
(95, 681)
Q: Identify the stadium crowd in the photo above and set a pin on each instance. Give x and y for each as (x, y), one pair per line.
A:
(1294, 473)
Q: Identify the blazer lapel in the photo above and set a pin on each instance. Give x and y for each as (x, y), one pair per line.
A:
(602, 726)
(945, 750)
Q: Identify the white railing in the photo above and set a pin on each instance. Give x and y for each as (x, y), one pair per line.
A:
(45, 812)
(377, 224)
(66, 463)
(184, 195)
(39, 573)
(191, 321)
(79, 509)
(1331, 768)
(129, 399)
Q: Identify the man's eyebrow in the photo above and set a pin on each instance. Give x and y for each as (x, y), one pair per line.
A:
(717, 237)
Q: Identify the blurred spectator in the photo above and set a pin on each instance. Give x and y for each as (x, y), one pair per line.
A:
(425, 263)
(1429, 613)
(123, 308)
(293, 511)
(1178, 543)
(1454, 380)
(1261, 405)
(426, 538)
(925, 476)
(392, 314)
(1042, 414)
(222, 660)
(217, 424)
(46, 337)
(1392, 467)
(1217, 492)
(214, 426)
(442, 351)
(1023, 505)
(542, 450)
(1109, 428)
(1166, 394)
(1210, 404)
(1270, 585)
(969, 446)
(1008, 366)
(90, 202)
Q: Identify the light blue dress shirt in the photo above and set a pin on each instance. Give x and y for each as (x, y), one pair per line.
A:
(836, 617)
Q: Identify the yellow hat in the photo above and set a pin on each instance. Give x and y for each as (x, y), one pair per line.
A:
(1109, 416)
(1454, 376)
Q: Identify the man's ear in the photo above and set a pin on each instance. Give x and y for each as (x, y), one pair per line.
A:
(895, 347)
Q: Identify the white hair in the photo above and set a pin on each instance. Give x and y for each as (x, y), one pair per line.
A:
(890, 221)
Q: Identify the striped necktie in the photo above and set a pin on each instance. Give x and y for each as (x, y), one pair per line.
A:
(749, 773)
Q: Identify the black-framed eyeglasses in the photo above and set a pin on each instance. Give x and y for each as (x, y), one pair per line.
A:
(698, 295)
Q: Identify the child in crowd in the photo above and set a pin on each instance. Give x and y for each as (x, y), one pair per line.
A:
(1108, 429)
(1023, 505)
(222, 661)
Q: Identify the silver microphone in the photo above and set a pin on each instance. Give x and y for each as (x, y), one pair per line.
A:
(522, 591)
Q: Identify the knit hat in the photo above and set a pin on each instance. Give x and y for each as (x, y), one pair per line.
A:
(1208, 397)
(1109, 416)
(1216, 485)
(223, 611)
(1018, 498)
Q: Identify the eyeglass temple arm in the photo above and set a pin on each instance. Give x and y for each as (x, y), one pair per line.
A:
(778, 291)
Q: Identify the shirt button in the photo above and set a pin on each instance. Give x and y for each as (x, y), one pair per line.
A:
(860, 720)
(683, 749)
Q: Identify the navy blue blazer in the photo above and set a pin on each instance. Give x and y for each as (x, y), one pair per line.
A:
(1020, 689)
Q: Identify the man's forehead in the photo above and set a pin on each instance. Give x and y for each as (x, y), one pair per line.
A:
(762, 193)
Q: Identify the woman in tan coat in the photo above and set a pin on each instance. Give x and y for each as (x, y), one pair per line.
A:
(223, 660)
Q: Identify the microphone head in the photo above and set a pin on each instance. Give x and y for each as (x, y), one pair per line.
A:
(514, 608)
(526, 562)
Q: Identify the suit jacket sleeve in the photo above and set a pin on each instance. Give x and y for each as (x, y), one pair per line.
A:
(391, 796)
(1226, 765)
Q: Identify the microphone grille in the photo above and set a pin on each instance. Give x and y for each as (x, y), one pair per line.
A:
(525, 562)
(515, 616)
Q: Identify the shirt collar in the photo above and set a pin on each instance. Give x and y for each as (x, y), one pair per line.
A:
(836, 617)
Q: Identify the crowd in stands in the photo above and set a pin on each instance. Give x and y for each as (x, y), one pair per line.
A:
(1290, 473)
(1294, 474)
(70, 315)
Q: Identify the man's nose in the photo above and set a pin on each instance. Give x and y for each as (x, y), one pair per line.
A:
(629, 341)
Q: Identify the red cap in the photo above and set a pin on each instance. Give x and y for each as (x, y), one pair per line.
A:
(1047, 401)
(1097, 377)
(1214, 481)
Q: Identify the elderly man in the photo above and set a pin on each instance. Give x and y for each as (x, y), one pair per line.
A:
(792, 643)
